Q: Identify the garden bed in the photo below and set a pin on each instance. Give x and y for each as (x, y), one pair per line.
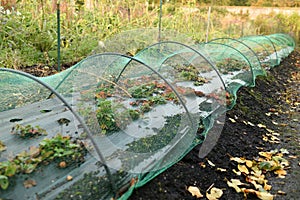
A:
(268, 103)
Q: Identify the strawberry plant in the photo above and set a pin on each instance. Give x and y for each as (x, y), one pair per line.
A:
(28, 131)
(59, 149)
(191, 73)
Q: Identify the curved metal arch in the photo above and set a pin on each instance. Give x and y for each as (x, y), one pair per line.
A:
(69, 73)
(264, 37)
(193, 50)
(150, 68)
(272, 46)
(136, 56)
(236, 40)
(289, 38)
(89, 134)
(282, 40)
(251, 40)
(144, 50)
(285, 38)
(252, 72)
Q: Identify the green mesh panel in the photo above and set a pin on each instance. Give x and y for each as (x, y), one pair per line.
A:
(146, 106)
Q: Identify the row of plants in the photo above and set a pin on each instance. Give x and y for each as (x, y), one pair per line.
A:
(61, 150)
(112, 116)
(190, 73)
(228, 65)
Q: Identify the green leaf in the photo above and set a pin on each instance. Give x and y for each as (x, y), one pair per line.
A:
(4, 182)
(265, 165)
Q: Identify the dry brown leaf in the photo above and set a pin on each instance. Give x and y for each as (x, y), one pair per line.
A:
(29, 183)
(195, 191)
(215, 194)
(34, 151)
(243, 169)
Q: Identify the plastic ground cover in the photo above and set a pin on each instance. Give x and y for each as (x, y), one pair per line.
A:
(122, 116)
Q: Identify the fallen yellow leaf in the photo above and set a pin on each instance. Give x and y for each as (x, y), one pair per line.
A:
(249, 163)
(261, 126)
(281, 192)
(238, 172)
(202, 164)
(210, 163)
(293, 157)
(238, 160)
(260, 179)
(195, 191)
(234, 183)
(266, 186)
(251, 124)
(281, 173)
(265, 195)
(221, 169)
(284, 151)
(253, 182)
(215, 194)
(267, 155)
(243, 169)
(265, 138)
(232, 120)
(262, 195)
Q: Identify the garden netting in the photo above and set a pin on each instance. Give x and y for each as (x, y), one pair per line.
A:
(123, 115)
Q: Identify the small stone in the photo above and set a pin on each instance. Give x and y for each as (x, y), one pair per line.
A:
(69, 178)
(62, 164)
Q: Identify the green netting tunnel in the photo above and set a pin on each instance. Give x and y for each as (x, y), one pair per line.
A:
(123, 115)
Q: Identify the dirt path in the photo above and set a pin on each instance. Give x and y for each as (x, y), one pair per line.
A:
(265, 118)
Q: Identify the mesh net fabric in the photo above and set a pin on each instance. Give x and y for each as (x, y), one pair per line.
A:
(146, 105)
